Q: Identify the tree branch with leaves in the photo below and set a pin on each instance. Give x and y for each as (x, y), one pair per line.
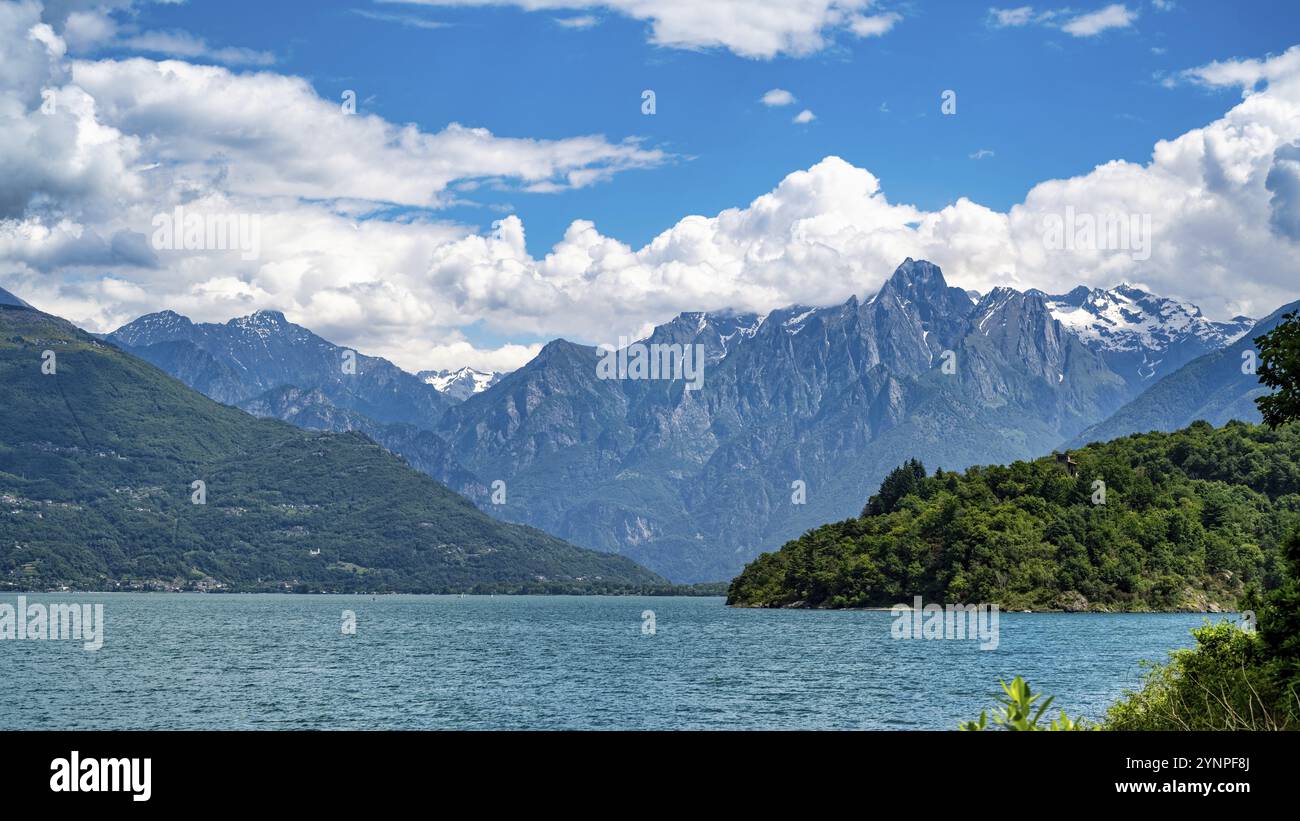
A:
(1279, 369)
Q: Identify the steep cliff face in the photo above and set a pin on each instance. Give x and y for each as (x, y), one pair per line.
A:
(800, 415)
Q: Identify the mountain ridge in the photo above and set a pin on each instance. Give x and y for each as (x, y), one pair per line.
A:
(256, 353)
(99, 460)
(831, 396)
(696, 482)
(1118, 323)
(1215, 387)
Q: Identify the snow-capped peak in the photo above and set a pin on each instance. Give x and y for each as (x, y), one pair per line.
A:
(259, 319)
(461, 383)
(1128, 319)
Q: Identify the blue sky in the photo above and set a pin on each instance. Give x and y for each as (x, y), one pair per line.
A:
(1047, 104)
(500, 185)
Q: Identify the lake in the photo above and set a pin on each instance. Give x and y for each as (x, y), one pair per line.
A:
(195, 661)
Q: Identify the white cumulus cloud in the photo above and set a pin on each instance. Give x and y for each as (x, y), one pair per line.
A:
(1011, 18)
(778, 97)
(128, 139)
(760, 29)
(1114, 16)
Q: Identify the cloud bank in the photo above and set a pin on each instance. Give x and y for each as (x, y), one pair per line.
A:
(351, 244)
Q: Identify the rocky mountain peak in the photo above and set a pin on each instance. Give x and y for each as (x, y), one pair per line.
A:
(1128, 318)
(920, 286)
(719, 332)
(161, 326)
(260, 319)
(461, 383)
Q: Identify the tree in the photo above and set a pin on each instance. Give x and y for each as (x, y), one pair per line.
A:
(901, 481)
(1279, 624)
(1279, 368)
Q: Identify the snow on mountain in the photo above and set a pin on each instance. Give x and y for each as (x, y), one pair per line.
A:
(460, 384)
(1143, 336)
(794, 324)
(262, 324)
(745, 327)
(1140, 336)
(1126, 318)
(718, 332)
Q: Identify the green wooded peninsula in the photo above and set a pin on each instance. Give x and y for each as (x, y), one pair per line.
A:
(1187, 521)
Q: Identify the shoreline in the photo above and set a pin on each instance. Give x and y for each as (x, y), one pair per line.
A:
(1004, 611)
(665, 594)
(372, 593)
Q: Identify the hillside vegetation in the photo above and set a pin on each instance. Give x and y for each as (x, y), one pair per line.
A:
(98, 461)
(1189, 520)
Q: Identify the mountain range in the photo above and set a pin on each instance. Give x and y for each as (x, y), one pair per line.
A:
(1142, 337)
(801, 413)
(270, 367)
(113, 474)
(1216, 387)
(244, 358)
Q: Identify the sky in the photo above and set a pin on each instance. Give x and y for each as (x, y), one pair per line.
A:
(456, 182)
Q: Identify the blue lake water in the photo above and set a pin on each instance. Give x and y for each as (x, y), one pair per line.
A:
(194, 661)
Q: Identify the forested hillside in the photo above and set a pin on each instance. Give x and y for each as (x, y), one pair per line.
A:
(1184, 521)
(98, 461)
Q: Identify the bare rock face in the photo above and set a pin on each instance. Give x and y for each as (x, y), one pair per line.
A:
(831, 398)
(1072, 601)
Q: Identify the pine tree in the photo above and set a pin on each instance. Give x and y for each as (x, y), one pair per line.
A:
(902, 480)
